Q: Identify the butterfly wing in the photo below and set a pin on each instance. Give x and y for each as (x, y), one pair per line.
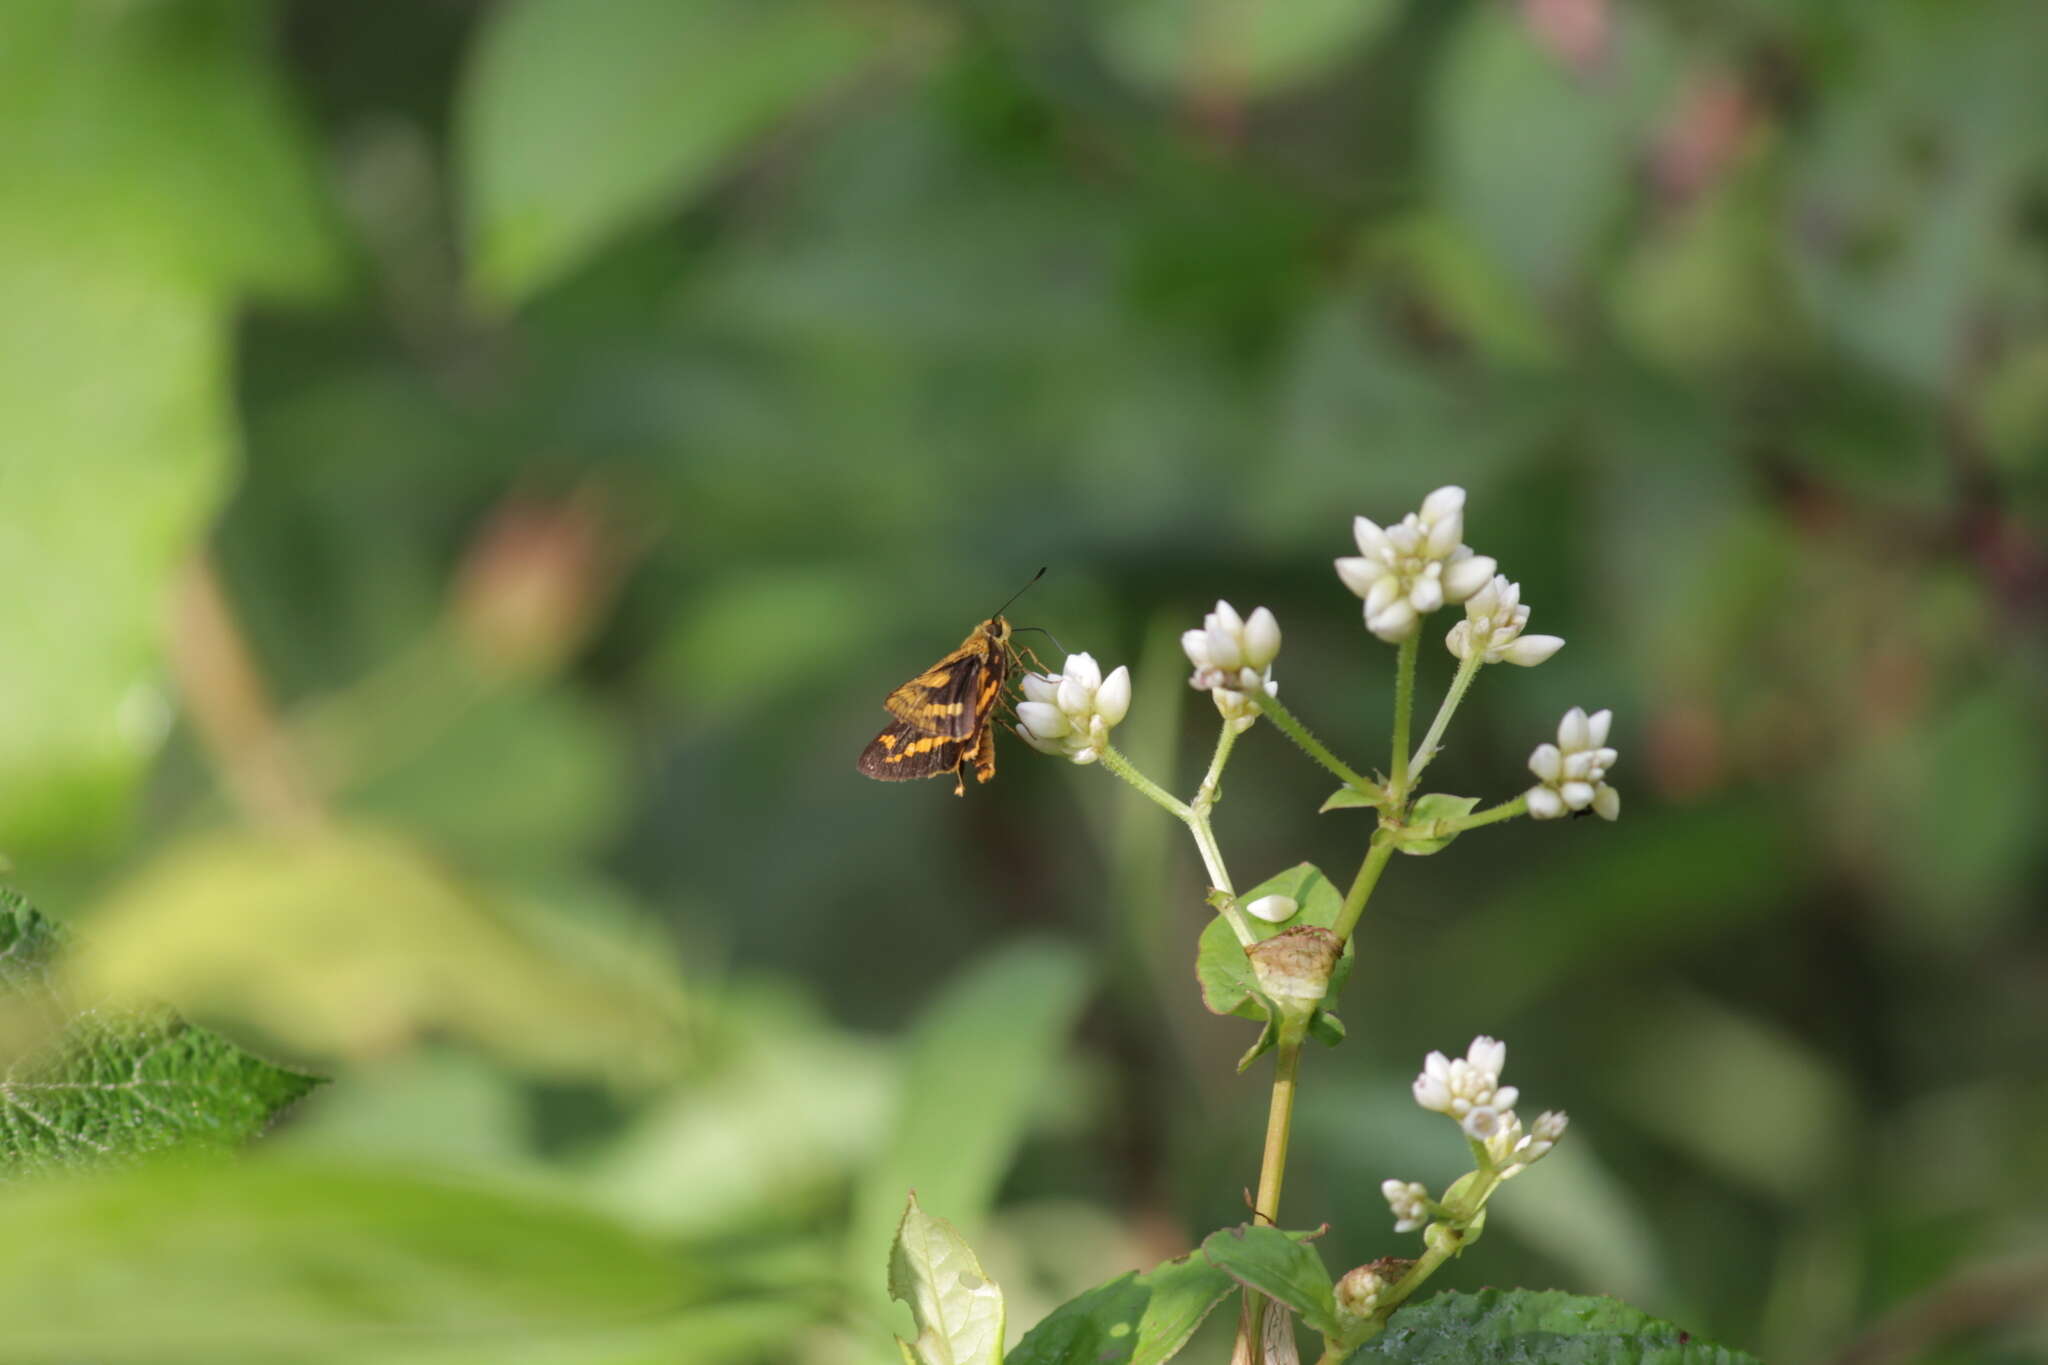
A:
(903, 752)
(954, 695)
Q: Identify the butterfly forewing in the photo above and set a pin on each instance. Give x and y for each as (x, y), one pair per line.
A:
(944, 715)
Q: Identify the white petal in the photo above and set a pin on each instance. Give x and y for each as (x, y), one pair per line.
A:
(1445, 535)
(1226, 647)
(1427, 594)
(1489, 1055)
(1082, 669)
(1597, 726)
(1505, 1096)
(1577, 795)
(1448, 501)
(1544, 803)
(1195, 644)
(1432, 1094)
(1386, 590)
(1607, 803)
(1372, 541)
(1459, 640)
(1508, 595)
(1573, 732)
(1225, 616)
(1044, 746)
(1359, 575)
(1405, 537)
(1113, 698)
(1547, 763)
(1076, 698)
(1273, 909)
(1579, 766)
(1395, 624)
(1084, 756)
(1261, 638)
(1463, 577)
(1041, 721)
(1039, 687)
(1530, 650)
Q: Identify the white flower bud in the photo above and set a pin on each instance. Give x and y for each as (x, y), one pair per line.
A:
(1494, 618)
(1407, 570)
(1233, 659)
(1273, 909)
(1409, 1201)
(1572, 773)
(1072, 712)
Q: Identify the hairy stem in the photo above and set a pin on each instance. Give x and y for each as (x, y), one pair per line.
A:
(1376, 856)
(1404, 710)
(1468, 669)
(1315, 749)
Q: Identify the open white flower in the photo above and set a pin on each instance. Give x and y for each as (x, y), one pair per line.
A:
(1472, 1082)
(1514, 1151)
(1572, 773)
(1494, 618)
(1070, 713)
(1408, 570)
(1233, 658)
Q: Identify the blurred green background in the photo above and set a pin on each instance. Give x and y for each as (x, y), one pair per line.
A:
(471, 471)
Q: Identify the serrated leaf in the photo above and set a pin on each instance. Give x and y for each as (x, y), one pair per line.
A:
(578, 121)
(1435, 806)
(1347, 798)
(1281, 1266)
(1556, 1328)
(268, 1260)
(1133, 1320)
(104, 1084)
(1228, 985)
(957, 1307)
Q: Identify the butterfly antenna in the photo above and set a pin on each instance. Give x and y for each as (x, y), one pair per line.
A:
(1020, 630)
(1021, 591)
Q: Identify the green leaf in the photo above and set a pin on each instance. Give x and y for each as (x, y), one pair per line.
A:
(107, 1085)
(578, 121)
(1281, 1266)
(1133, 1320)
(1558, 1329)
(270, 1260)
(1435, 806)
(1347, 798)
(958, 1308)
(978, 1059)
(348, 942)
(1228, 986)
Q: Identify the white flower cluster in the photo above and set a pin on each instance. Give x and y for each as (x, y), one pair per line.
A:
(1468, 1089)
(1233, 658)
(1409, 1199)
(1072, 712)
(1494, 619)
(1408, 570)
(1572, 773)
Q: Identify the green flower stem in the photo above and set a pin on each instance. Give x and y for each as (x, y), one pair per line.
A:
(1468, 669)
(1124, 768)
(1211, 789)
(1196, 818)
(1404, 708)
(1383, 843)
(1273, 1164)
(1315, 749)
(1506, 810)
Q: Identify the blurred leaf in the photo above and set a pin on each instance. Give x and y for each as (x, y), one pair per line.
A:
(111, 378)
(1281, 1266)
(1435, 806)
(163, 132)
(1533, 160)
(1192, 47)
(958, 1309)
(976, 1059)
(709, 1334)
(351, 942)
(1468, 286)
(1558, 1329)
(773, 1133)
(1228, 986)
(264, 1259)
(1742, 1096)
(1133, 1320)
(111, 1085)
(579, 121)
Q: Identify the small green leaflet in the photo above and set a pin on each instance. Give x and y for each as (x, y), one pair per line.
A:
(101, 1085)
(958, 1308)
(1133, 1320)
(1228, 986)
